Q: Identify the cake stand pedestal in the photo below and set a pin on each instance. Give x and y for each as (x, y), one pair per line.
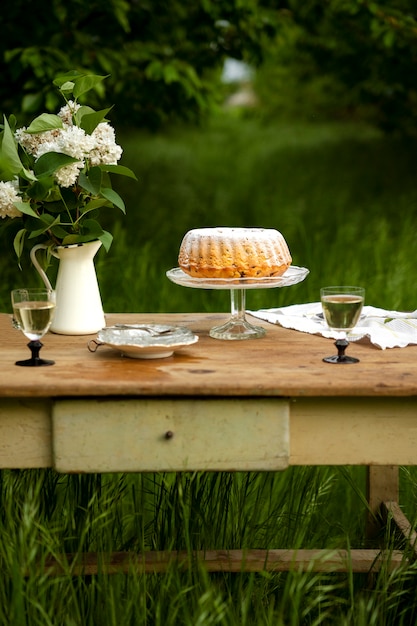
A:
(238, 327)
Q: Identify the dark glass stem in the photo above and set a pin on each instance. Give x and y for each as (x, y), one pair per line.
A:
(35, 360)
(341, 345)
(340, 357)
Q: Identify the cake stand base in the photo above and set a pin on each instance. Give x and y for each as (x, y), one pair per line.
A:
(237, 329)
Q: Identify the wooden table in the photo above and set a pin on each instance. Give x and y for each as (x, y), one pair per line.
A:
(216, 405)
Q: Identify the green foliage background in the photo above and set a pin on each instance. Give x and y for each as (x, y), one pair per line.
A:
(161, 56)
(316, 59)
(344, 59)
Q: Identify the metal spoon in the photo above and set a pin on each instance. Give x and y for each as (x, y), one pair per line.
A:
(152, 331)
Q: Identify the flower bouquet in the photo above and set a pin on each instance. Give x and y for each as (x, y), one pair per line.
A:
(55, 173)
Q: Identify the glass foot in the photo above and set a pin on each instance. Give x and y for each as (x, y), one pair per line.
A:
(237, 329)
(35, 360)
(340, 359)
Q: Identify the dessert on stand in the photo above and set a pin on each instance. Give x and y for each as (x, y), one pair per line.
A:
(238, 326)
(235, 259)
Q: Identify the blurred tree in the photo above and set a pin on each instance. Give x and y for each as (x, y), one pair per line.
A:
(345, 58)
(326, 58)
(161, 55)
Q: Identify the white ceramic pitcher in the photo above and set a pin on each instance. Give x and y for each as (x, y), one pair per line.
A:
(79, 310)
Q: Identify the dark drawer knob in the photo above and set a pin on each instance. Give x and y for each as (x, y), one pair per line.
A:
(169, 434)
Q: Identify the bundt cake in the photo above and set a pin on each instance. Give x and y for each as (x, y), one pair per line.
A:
(234, 253)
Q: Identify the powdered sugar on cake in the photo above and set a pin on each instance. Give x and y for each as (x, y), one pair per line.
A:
(225, 252)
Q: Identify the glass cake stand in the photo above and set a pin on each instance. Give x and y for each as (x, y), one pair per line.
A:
(238, 327)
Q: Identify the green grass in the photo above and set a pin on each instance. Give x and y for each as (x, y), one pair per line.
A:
(43, 514)
(346, 200)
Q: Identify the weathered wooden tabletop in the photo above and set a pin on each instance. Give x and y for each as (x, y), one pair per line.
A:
(282, 363)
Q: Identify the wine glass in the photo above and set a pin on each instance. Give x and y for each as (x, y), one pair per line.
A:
(33, 311)
(342, 307)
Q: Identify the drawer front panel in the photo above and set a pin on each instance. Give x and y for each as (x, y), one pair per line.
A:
(129, 435)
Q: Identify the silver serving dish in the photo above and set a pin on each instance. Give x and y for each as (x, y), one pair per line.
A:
(144, 341)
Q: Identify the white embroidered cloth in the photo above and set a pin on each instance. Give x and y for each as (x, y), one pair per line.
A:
(385, 329)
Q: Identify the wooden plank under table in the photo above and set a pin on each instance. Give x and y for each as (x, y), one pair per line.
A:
(259, 404)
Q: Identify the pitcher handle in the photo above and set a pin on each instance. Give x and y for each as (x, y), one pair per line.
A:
(37, 265)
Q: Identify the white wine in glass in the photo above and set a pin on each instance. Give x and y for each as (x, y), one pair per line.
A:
(33, 312)
(342, 306)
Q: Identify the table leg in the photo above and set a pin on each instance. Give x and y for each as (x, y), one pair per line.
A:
(382, 486)
(408, 534)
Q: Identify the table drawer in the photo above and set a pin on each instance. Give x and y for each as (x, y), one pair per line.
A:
(136, 435)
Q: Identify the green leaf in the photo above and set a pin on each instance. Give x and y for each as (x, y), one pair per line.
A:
(19, 241)
(67, 87)
(9, 153)
(54, 206)
(40, 189)
(47, 222)
(50, 162)
(69, 239)
(28, 175)
(106, 239)
(58, 230)
(65, 82)
(91, 182)
(81, 112)
(93, 205)
(12, 122)
(114, 198)
(92, 228)
(25, 208)
(89, 121)
(44, 122)
(31, 223)
(86, 83)
(118, 169)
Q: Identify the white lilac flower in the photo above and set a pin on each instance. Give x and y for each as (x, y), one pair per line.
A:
(67, 176)
(75, 142)
(47, 146)
(72, 141)
(32, 142)
(106, 150)
(9, 195)
(67, 111)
